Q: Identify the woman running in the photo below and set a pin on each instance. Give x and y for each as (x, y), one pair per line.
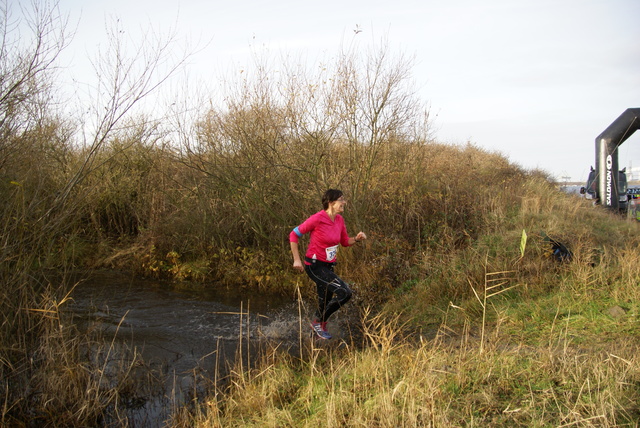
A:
(328, 232)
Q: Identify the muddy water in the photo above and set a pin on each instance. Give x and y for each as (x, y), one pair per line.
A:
(186, 335)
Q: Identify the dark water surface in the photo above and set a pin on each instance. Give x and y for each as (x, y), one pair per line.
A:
(186, 334)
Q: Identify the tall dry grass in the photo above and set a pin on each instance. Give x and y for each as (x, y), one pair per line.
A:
(446, 381)
(555, 344)
(552, 355)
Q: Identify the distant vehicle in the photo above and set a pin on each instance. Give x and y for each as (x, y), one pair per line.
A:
(590, 191)
(633, 197)
(633, 193)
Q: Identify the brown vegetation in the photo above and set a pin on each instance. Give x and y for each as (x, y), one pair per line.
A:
(217, 204)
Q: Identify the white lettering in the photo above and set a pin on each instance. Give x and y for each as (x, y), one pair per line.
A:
(609, 196)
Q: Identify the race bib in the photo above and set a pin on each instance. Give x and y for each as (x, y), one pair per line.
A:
(332, 252)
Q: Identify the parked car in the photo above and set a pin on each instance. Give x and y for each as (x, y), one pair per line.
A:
(590, 191)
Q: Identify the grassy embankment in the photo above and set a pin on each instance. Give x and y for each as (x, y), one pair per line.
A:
(559, 347)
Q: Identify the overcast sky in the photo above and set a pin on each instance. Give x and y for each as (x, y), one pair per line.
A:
(537, 80)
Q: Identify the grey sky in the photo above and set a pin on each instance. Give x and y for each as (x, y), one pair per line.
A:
(536, 80)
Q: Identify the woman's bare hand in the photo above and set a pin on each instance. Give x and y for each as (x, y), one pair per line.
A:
(297, 265)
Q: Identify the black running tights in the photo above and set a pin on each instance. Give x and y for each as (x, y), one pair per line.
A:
(333, 292)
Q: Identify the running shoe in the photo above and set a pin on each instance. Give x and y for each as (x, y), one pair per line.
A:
(321, 332)
(324, 327)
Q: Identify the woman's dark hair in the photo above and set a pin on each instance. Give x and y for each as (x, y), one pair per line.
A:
(329, 196)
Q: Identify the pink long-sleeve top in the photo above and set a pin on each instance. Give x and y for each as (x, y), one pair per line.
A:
(326, 236)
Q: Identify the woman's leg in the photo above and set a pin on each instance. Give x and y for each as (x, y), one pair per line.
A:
(333, 292)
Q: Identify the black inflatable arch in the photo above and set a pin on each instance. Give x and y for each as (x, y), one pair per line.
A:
(607, 145)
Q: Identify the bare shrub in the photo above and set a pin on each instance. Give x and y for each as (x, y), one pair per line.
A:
(43, 169)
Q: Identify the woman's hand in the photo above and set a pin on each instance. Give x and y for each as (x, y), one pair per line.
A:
(361, 236)
(297, 265)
